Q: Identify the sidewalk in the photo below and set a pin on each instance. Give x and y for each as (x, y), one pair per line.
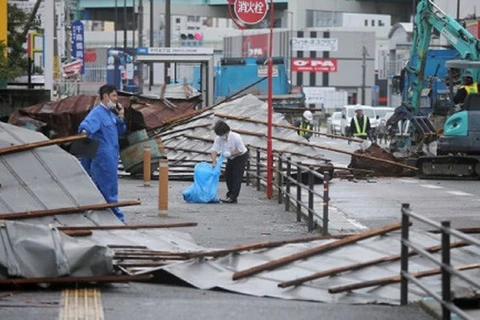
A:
(254, 218)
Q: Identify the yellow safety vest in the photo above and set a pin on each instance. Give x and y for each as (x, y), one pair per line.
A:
(363, 131)
(304, 125)
(473, 88)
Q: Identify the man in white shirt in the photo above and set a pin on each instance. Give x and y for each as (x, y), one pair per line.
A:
(231, 146)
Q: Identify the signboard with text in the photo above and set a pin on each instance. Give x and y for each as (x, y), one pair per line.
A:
(314, 44)
(173, 50)
(250, 11)
(314, 65)
(78, 44)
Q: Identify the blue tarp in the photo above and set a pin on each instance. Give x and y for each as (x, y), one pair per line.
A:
(205, 183)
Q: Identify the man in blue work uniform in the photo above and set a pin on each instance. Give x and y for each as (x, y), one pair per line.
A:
(231, 145)
(105, 124)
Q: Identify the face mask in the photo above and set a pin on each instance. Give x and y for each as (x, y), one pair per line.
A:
(225, 137)
(111, 105)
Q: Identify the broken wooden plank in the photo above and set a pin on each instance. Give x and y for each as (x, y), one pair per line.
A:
(38, 144)
(395, 279)
(128, 227)
(357, 266)
(77, 233)
(314, 145)
(314, 251)
(284, 126)
(113, 278)
(468, 230)
(67, 210)
(259, 245)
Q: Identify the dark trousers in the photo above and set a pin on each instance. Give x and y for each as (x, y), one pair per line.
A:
(234, 175)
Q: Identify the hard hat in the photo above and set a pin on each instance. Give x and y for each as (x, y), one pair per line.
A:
(308, 115)
(358, 107)
(468, 74)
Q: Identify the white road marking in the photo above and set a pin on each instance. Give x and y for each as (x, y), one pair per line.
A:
(460, 193)
(430, 186)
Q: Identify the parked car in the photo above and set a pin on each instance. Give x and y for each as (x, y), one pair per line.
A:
(334, 123)
(349, 111)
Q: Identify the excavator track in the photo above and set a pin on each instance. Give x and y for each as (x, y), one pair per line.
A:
(449, 167)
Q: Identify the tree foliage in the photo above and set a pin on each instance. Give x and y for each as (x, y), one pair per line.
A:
(17, 63)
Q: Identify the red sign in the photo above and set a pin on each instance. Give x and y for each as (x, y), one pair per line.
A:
(314, 65)
(255, 45)
(250, 11)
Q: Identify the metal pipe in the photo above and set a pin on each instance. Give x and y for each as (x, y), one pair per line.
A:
(287, 186)
(404, 254)
(326, 200)
(299, 194)
(446, 277)
(311, 186)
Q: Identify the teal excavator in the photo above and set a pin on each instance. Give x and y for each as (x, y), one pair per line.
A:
(414, 137)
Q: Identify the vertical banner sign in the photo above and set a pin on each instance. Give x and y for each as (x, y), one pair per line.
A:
(250, 11)
(78, 49)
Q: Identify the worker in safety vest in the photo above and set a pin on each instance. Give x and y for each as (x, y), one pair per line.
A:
(360, 125)
(305, 123)
(468, 87)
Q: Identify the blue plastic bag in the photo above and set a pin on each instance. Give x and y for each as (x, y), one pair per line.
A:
(205, 183)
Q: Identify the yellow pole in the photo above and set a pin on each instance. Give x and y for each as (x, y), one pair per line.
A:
(3, 21)
(163, 188)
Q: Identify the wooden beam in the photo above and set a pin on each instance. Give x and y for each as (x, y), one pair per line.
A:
(129, 227)
(469, 230)
(395, 279)
(314, 145)
(20, 281)
(67, 210)
(259, 245)
(279, 125)
(357, 266)
(38, 144)
(315, 251)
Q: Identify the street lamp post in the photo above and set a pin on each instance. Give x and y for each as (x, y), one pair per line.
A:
(290, 25)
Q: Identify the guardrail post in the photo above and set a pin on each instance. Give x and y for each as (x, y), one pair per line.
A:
(279, 178)
(326, 200)
(258, 169)
(404, 254)
(311, 225)
(287, 184)
(446, 277)
(248, 171)
(299, 194)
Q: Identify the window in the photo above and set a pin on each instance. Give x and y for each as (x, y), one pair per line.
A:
(366, 23)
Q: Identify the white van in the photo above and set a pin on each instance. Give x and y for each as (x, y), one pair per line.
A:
(349, 111)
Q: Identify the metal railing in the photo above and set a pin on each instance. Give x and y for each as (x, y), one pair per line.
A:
(283, 169)
(446, 269)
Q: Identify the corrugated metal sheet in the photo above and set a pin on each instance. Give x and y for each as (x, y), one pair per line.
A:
(217, 273)
(49, 178)
(192, 141)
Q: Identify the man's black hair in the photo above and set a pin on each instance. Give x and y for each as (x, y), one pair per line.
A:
(106, 89)
(221, 128)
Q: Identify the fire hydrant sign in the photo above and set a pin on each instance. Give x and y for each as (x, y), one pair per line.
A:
(250, 11)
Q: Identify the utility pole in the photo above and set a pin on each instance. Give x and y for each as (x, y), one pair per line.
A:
(364, 72)
(150, 80)
(124, 26)
(168, 24)
(140, 44)
(115, 25)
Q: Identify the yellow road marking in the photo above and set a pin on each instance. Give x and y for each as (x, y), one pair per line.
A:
(81, 304)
